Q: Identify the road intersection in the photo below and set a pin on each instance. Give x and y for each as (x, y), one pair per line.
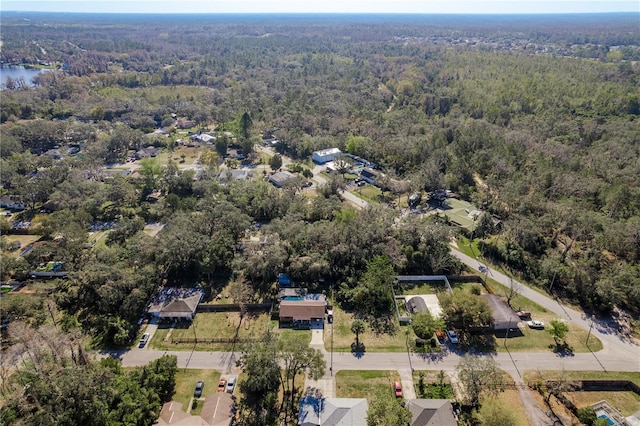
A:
(620, 352)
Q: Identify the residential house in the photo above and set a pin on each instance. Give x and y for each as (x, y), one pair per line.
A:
(6, 202)
(146, 152)
(281, 178)
(369, 175)
(217, 410)
(302, 314)
(203, 137)
(431, 412)
(183, 123)
(332, 411)
(175, 303)
(229, 175)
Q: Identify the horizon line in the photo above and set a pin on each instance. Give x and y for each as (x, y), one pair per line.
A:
(613, 12)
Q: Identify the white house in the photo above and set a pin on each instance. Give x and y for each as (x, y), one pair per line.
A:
(325, 155)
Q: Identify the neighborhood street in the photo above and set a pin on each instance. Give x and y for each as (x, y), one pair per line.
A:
(620, 353)
(614, 342)
(515, 362)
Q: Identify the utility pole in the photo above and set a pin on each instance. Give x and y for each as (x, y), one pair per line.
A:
(507, 334)
(332, 319)
(552, 281)
(589, 333)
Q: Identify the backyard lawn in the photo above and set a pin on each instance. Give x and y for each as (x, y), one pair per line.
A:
(510, 398)
(625, 402)
(436, 384)
(364, 383)
(24, 241)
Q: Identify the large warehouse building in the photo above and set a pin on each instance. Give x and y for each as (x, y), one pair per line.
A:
(325, 155)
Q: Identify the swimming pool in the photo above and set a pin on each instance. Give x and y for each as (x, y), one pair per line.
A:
(604, 416)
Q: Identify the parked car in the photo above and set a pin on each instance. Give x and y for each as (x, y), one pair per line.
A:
(397, 388)
(143, 340)
(231, 384)
(439, 334)
(222, 385)
(199, 387)
(453, 338)
(536, 324)
(524, 315)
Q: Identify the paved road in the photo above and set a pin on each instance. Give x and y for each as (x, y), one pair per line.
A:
(615, 344)
(353, 199)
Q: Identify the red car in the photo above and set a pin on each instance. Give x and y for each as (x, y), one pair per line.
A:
(222, 384)
(439, 334)
(397, 387)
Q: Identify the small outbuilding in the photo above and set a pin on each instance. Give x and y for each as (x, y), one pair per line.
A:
(325, 155)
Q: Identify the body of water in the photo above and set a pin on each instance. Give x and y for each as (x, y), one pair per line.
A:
(17, 72)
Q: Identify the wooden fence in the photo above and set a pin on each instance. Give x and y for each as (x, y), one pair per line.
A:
(233, 307)
(194, 340)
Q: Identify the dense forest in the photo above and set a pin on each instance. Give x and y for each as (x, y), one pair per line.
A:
(533, 119)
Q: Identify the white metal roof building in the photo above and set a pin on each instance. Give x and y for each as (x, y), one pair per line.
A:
(325, 155)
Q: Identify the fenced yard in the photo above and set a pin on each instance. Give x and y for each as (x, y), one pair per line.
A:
(220, 331)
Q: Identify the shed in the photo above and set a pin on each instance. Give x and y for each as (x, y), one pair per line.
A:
(325, 155)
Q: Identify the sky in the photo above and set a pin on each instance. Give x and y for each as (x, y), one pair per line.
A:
(322, 6)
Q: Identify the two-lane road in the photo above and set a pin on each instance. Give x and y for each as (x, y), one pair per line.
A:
(613, 342)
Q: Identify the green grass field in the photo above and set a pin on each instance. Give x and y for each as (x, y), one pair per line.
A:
(368, 193)
(191, 155)
(221, 325)
(343, 337)
(364, 383)
(186, 380)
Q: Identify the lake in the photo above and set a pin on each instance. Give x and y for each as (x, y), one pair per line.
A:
(18, 71)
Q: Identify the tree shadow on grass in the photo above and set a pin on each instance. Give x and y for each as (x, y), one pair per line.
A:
(562, 349)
